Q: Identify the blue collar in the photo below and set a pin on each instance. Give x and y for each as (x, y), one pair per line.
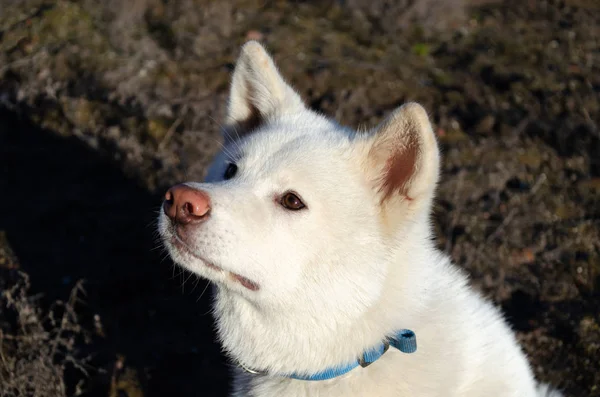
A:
(404, 340)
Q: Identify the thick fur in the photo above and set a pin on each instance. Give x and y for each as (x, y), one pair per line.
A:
(355, 265)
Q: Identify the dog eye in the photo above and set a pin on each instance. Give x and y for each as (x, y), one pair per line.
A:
(292, 202)
(230, 171)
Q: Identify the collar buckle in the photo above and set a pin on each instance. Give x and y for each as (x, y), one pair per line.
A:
(364, 363)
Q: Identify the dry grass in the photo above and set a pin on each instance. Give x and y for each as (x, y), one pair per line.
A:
(37, 347)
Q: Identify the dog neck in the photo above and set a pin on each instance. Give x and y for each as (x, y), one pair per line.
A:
(288, 340)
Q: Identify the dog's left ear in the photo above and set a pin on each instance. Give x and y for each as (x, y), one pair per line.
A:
(404, 156)
(258, 92)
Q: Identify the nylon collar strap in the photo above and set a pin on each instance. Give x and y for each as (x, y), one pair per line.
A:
(404, 340)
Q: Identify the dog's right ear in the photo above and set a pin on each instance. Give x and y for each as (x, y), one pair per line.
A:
(258, 92)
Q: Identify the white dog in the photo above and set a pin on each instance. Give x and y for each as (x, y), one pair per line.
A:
(318, 239)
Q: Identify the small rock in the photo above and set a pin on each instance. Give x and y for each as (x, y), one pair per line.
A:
(523, 257)
(254, 35)
(485, 125)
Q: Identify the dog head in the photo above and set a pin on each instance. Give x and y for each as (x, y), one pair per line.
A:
(298, 214)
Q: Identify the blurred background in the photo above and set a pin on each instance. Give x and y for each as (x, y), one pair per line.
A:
(104, 104)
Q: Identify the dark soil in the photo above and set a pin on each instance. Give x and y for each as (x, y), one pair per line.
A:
(105, 104)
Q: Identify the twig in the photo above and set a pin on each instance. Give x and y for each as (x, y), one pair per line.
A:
(501, 227)
(169, 133)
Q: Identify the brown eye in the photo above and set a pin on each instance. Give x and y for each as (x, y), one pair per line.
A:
(230, 171)
(292, 202)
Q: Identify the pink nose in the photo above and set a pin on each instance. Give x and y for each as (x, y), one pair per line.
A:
(184, 204)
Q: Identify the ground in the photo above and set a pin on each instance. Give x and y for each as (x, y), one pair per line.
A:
(105, 104)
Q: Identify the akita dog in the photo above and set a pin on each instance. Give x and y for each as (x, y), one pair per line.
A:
(319, 242)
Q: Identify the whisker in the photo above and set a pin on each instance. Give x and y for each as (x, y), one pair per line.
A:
(227, 133)
(203, 291)
(195, 284)
(230, 156)
(185, 281)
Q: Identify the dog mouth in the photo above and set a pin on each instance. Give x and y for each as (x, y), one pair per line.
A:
(183, 248)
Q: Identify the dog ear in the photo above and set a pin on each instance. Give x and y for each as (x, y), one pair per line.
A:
(404, 156)
(258, 92)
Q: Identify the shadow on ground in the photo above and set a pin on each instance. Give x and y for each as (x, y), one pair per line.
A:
(70, 214)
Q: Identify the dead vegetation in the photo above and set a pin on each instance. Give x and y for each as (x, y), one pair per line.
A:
(37, 346)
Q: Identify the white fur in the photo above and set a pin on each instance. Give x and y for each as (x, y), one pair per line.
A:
(351, 268)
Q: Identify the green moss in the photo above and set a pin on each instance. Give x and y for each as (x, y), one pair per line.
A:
(157, 129)
(421, 49)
